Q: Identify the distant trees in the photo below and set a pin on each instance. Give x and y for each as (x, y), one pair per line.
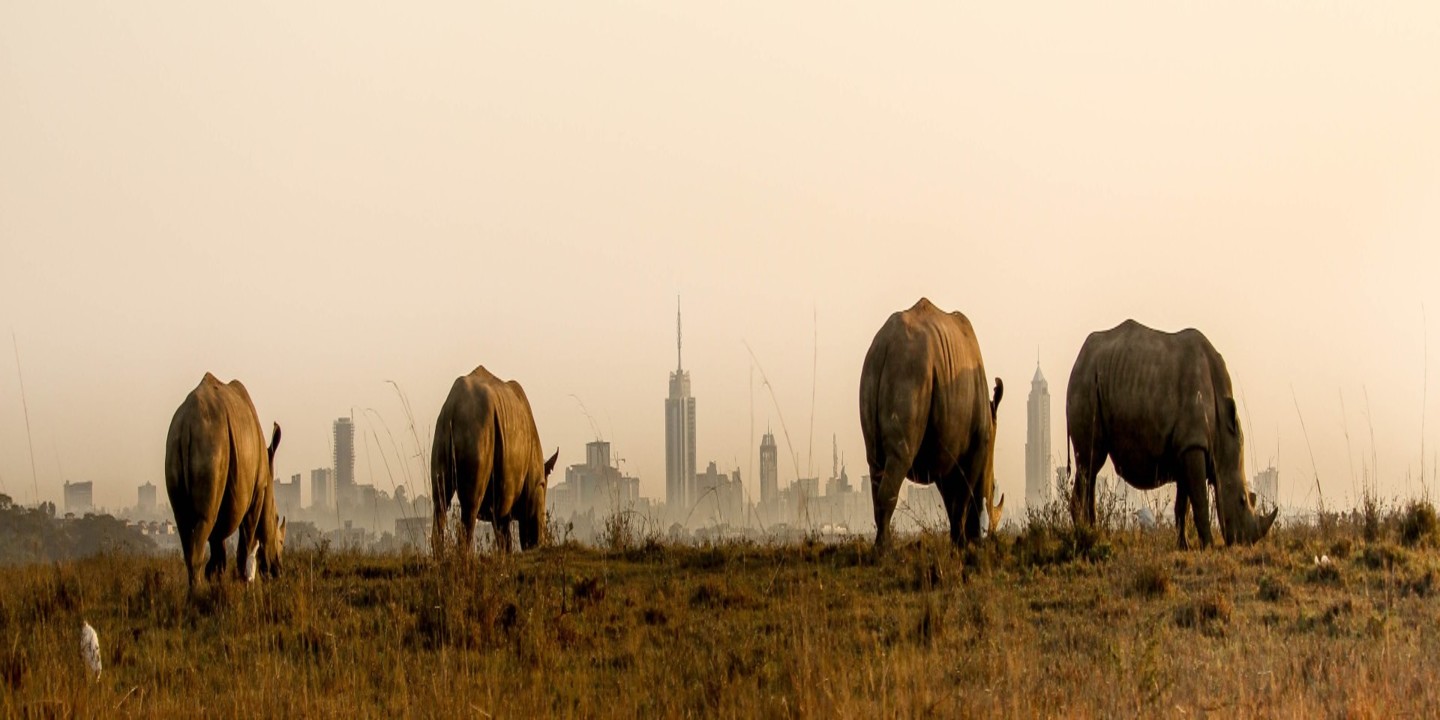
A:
(31, 535)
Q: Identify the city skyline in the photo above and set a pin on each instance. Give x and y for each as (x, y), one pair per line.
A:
(346, 227)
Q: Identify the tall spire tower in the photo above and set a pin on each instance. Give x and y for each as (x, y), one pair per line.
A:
(679, 435)
(1037, 442)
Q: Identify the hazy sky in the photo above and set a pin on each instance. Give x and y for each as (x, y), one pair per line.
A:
(318, 198)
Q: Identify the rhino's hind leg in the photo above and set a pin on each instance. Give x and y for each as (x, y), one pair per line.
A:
(884, 493)
(1182, 508)
(216, 567)
(962, 508)
(503, 540)
(440, 509)
(192, 543)
(1082, 500)
(1194, 484)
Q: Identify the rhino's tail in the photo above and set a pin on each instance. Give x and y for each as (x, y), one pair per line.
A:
(870, 394)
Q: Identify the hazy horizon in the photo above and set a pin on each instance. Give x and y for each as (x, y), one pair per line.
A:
(320, 200)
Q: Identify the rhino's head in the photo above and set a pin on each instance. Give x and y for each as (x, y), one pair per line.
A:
(532, 516)
(271, 534)
(1235, 505)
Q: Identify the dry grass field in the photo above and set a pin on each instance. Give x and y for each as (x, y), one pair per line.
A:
(1043, 623)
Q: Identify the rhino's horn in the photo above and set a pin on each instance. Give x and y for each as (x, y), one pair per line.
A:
(996, 512)
(1266, 521)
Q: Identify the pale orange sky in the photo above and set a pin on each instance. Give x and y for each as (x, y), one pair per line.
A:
(319, 199)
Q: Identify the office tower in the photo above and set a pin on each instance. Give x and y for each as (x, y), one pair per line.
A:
(1037, 442)
(679, 434)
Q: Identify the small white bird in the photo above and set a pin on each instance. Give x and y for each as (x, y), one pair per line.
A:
(250, 564)
(90, 649)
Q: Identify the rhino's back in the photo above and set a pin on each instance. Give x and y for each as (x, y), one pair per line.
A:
(1151, 394)
(213, 453)
(924, 377)
(481, 403)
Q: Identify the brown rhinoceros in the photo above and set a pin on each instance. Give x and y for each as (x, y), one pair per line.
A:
(487, 451)
(1160, 406)
(219, 477)
(925, 416)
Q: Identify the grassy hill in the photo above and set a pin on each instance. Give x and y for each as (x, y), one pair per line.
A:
(1044, 623)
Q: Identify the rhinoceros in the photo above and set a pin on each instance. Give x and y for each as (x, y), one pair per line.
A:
(219, 476)
(1160, 406)
(925, 416)
(487, 451)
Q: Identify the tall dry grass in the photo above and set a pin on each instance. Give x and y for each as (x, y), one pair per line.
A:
(1041, 622)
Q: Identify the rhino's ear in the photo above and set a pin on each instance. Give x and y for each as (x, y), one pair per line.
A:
(550, 464)
(1232, 417)
(995, 401)
(274, 442)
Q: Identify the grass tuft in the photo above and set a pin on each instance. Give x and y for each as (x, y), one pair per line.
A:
(1418, 524)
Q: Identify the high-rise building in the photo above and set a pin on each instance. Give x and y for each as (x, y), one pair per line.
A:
(598, 484)
(287, 495)
(720, 499)
(1267, 486)
(322, 488)
(1037, 442)
(145, 503)
(596, 488)
(679, 434)
(839, 482)
(769, 467)
(344, 461)
(79, 496)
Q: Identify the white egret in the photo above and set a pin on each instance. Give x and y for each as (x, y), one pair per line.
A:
(90, 649)
(250, 564)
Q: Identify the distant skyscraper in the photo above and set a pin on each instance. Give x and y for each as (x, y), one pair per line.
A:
(344, 460)
(146, 499)
(1267, 485)
(79, 496)
(1037, 442)
(679, 434)
(287, 495)
(769, 467)
(322, 488)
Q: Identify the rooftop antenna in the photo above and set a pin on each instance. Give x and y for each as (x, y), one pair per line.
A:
(678, 364)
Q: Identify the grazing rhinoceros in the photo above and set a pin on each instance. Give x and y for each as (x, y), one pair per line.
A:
(487, 451)
(219, 477)
(925, 416)
(1160, 406)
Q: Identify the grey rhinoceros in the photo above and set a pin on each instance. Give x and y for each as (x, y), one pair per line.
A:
(925, 415)
(219, 476)
(487, 451)
(1160, 406)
